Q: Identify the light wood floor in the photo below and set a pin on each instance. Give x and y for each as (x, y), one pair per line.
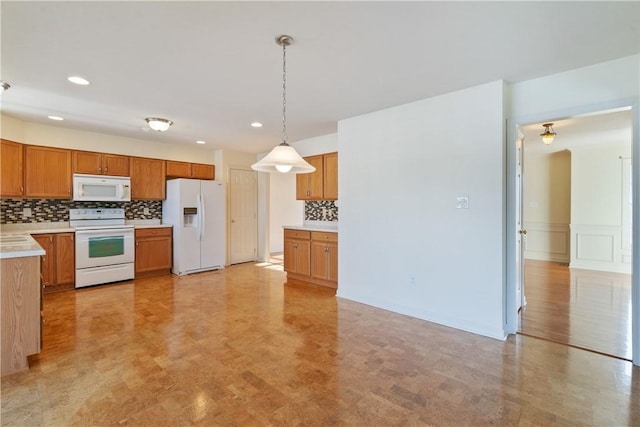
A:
(583, 308)
(238, 347)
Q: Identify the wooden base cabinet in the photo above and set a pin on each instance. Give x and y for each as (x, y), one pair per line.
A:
(297, 252)
(311, 257)
(58, 264)
(153, 252)
(324, 256)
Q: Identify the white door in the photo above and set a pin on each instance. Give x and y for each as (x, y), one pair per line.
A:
(520, 230)
(243, 215)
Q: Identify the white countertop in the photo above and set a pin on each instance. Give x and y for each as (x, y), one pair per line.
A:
(27, 248)
(313, 227)
(64, 227)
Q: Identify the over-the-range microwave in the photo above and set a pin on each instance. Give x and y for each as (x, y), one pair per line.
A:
(101, 188)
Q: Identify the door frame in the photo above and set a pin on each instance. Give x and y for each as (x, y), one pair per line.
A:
(510, 313)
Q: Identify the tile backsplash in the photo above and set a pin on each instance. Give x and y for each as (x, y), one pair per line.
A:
(56, 210)
(320, 210)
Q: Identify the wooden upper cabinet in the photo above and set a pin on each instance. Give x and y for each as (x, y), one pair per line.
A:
(147, 179)
(309, 185)
(189, 170)
(12, 176)
(115, 165)
(100, 164)
(201, 171)
(330, 176)
(47, 172)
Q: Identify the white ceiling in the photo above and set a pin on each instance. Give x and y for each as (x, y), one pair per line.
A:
(213, 67)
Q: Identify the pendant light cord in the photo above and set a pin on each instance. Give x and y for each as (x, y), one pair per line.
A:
(284, 93)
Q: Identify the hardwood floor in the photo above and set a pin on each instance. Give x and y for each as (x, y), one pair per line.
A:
(582, 308)
(238, 347)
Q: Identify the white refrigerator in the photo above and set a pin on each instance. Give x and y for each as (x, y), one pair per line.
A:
(196, 209)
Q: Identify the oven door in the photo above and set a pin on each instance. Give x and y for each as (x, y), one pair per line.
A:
(96, 248)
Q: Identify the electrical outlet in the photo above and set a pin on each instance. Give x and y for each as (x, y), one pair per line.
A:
(412, 280)
(26, 213)
(146, 211)
(462, 202)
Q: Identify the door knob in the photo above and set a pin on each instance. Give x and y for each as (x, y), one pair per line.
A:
(523, 232)
(233, 221)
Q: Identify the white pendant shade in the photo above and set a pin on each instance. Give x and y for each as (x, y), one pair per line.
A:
(283, 158)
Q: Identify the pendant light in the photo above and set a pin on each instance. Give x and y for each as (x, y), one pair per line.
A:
(548, 134)
(284, 157)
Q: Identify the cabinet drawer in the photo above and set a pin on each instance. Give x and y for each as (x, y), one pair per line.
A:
(324, 236)
(153, 232)
(296, 234)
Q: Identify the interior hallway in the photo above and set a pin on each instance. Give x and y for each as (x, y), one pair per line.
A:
(239, 347)
(583, 308)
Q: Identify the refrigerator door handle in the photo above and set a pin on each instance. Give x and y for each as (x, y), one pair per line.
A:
(203, 216)
(199, 217)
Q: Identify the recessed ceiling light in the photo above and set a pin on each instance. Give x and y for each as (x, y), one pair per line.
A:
(256, 125)
(78, 80)
(201, 142)
(58, 118)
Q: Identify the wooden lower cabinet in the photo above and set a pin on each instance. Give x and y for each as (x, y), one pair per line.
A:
(297, 252)
(153, 252)
(58, 264)
(311, 257)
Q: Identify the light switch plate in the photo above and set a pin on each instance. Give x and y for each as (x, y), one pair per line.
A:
(26, 213)
(462, 202)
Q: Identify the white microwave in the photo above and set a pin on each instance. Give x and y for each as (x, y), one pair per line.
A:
(101, 188)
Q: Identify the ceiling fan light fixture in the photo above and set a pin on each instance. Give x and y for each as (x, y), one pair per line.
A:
(158, 124)
(549, 134)
(283, 158)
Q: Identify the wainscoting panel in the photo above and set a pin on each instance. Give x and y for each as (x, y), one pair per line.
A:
(547, 242)
(597, 247)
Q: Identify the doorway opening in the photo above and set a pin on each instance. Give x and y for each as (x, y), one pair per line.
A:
(576, 208)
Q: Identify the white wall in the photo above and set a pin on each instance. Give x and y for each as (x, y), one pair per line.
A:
(403, 244)
(547, 204)
(597, 228)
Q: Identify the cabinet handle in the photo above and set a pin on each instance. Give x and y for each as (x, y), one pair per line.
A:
(21, 189)
(50, 239)
(136, 243)
(99, 169)
(105, 170)
(72, 237)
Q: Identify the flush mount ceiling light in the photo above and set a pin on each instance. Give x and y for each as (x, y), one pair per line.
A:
(548, 134)
(78, 80)
(284, 157)
(5, 86)
(158, 124)
(57, 118)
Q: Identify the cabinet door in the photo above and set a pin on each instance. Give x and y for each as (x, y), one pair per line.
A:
(309, 185)
(87, 162)
(153, 253)
(178, 169)
(47, 267)
(11, 154)
(65, 258)
(319, 264)
(330, 176)
(332, 262)
(303, 257)
(289, 255)
(201, 171)
(47, 172)
(115, 165)
(147, 179)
